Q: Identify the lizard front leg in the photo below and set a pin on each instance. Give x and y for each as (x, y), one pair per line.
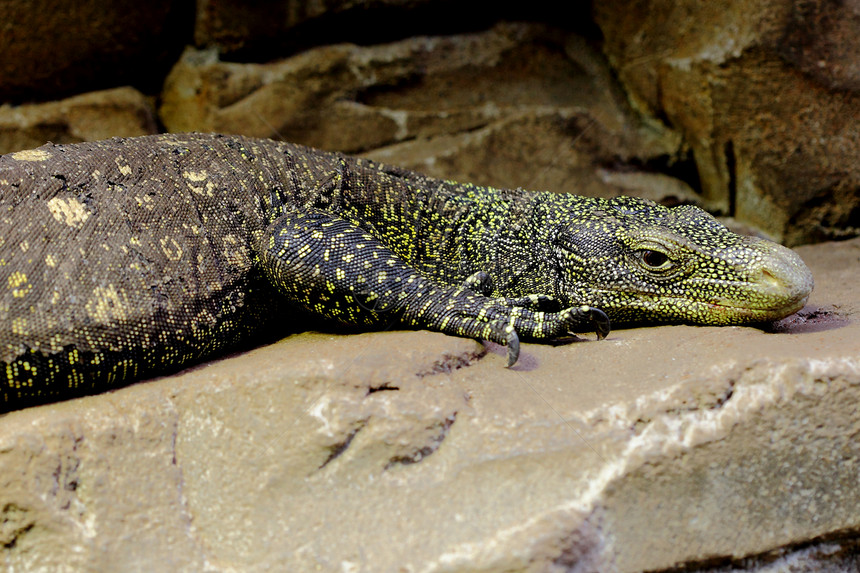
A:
(481, 283)
(335, 269)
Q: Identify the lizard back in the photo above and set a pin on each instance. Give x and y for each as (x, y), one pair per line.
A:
(127, 257)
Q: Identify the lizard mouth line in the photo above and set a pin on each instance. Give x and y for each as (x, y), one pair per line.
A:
(789, 307)
(759, 305)
(734, 305)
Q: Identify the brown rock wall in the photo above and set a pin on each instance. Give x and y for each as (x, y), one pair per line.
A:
(56, 48)
(751, 106)
(761, 91)
(120, 112)
(518, 105)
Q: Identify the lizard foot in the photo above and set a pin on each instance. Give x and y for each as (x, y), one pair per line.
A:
(594, 317)
(460, 311)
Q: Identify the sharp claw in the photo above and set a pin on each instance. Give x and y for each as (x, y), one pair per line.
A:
(600, 321)
(513, 348)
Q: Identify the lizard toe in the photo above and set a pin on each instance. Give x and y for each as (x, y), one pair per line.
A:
(599, 320)
(504, 333)
(513, 349)
(584, 318)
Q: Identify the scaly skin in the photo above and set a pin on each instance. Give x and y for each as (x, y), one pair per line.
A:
(128, 258)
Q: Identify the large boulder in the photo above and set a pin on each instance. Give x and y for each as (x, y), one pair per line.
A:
(656, 449)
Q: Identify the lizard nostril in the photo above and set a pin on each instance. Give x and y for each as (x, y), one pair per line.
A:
(783, 274)
(770, 280)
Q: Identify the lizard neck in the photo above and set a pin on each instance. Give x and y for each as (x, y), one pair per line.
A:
(455, 230)
(448, 231)
(502, 233)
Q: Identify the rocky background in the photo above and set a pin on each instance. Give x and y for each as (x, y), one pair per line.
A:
(673, 448)
(747, 107)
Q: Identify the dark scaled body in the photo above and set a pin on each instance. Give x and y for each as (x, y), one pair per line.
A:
(128, 258)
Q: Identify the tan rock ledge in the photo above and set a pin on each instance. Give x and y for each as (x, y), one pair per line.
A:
(416, 452)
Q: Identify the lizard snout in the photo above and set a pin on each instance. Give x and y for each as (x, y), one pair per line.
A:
(782, 277)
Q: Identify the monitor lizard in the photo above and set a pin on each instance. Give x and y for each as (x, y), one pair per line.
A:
(128, 258)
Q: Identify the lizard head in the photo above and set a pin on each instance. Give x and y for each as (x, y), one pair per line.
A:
(639, 261)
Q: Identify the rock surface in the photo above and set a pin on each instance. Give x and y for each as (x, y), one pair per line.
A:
(731, 447)
(749, 107)
(120, 112)
(56, 48)
(518, 105)
(765, 92)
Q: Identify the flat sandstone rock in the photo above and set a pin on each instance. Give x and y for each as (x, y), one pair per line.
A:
(417, 452)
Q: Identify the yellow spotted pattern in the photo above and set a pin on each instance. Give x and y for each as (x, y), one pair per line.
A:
(128, 258)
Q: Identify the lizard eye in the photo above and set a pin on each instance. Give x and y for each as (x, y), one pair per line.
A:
(655, 260)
